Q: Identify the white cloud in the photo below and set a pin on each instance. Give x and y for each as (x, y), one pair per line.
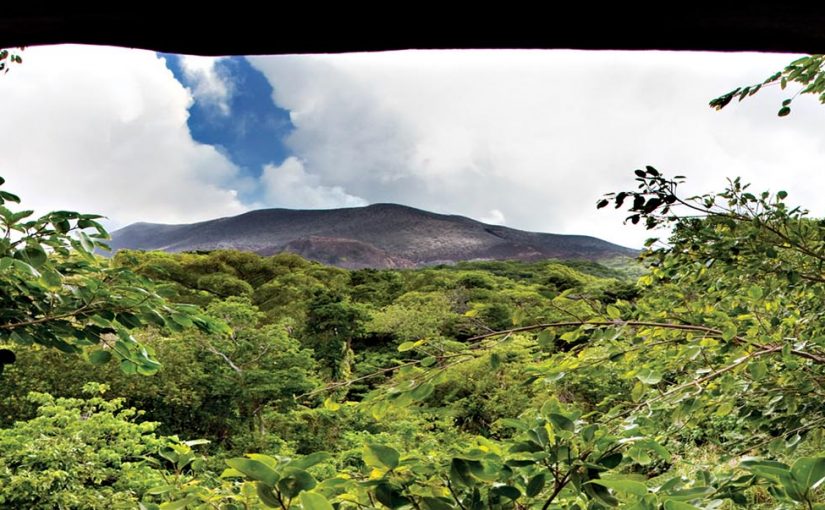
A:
(208, 85)
(288, 185)
(103, 130)
(540, 135)
(493, 217)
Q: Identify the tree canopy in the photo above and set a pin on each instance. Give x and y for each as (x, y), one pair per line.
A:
(59, 293)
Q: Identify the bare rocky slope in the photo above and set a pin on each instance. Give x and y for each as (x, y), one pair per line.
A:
(378, 236)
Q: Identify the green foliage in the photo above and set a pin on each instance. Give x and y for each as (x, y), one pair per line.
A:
(77, 453)
(413, 316)
(808, 72)
(331, 325)
(9, 57)
(59, 294)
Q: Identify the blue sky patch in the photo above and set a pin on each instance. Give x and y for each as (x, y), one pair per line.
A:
(252, 134)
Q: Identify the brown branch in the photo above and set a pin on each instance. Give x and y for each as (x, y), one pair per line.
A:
(643, 324)
(46, 318)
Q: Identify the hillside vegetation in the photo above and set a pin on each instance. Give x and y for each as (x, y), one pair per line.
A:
(232, 380)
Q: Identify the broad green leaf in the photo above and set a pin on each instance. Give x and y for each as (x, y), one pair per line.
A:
(809, 471)
(293, 481)
(611, 461)
(507, 491)
(26, 268)
(766, 468)
(255, 470)
(535, 485)
(561, 422)
(314, 501)
(380, 456)
(430, 503)
(623, 485)
(267, 495)
(793, 488)
(422, 391)
(308, 461)
(100, 357)
(649, 376)
(390, 496)
(691, 493)
(161, 489)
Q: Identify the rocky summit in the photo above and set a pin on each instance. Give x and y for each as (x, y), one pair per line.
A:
(376, 236)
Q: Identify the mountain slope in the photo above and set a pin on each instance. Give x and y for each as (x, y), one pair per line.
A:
(380, 236)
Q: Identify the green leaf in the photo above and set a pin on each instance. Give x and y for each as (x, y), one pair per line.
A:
(600, 493)
(809, 471)
(161, 489)
(26, 268)
(51, 277)
(507, 491)
(179, 504)
(771, 470)
(310, 460)
(758, 369)
(613, 312)
(649, 376)
(623, 485)
(755, 292)
(535, 485)
(431, 503)
(406, 346)
(691, 493)
(390, 496)
(561, 422)
(255, 470)
(460, 473)
(314, 501)
(294, 481)
(100, 357)
(792, 487)
(376, 455)
(611, 461)
(422, 391)
(267, 495)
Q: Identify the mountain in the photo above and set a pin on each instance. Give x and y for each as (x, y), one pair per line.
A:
(378, 236)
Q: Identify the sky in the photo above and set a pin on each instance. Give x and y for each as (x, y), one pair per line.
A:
(527, 139)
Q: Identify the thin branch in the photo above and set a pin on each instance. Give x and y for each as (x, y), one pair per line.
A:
(216, 352)
(643, 324)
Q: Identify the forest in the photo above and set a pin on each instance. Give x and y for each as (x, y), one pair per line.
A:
(691, 378)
